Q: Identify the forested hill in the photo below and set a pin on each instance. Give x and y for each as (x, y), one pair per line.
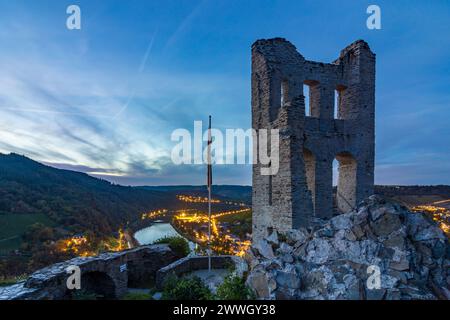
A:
(72, 199)
(78, 202)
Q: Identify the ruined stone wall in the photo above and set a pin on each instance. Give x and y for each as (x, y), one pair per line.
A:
(302, 188)
(108, 274)
(192, 263)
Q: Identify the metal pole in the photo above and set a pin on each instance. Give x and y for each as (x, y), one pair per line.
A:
(209, 194)
(209, 229)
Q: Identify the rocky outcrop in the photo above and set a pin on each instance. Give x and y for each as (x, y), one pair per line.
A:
(344, 257)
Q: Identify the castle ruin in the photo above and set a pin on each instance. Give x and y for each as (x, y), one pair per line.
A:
(338, 123)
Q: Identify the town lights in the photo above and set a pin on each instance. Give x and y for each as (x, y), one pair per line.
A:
(438, 214)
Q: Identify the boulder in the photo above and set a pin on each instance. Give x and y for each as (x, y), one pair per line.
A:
(259, 283)
(273, 238)
(285, 248)
(288, 277)
(264, 249)
(342, 221)
(297, 237)
(386, 224)
(319, 251)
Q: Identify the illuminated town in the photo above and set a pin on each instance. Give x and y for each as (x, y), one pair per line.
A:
(223, 241)
(154, 214)
(192, 223)
(195, 199)
(439, 214)
(78, 245)
(82, 246)
(199, 199)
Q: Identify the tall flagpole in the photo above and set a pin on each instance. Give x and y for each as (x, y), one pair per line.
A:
(209, 193)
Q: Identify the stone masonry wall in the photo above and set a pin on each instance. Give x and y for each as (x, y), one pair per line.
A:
(302, 189)
(113, 272)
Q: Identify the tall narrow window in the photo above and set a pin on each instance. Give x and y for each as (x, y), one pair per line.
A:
(338, 99)
(307, 103)
(336, 104)
(311, 91)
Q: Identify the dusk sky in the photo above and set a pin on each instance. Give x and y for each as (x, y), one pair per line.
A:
(105, 99)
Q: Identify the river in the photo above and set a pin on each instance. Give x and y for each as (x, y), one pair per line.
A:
(157, 231)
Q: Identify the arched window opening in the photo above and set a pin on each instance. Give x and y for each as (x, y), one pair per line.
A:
(99, 284)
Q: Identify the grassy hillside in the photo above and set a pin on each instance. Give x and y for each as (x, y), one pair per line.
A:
(71, 199)
(14, 226)
(40, 205)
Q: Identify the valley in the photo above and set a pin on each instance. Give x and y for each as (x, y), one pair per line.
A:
(49, 215)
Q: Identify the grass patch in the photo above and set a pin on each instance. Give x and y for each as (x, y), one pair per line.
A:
(137, 296)
(13, 226)
(4, 282)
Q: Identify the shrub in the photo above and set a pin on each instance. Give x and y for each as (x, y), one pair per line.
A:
(234, 288)
(185, 289)
(178, 244)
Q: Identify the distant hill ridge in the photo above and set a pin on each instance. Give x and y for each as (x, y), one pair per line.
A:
(81, 202)
(233, 192)
(73, 199)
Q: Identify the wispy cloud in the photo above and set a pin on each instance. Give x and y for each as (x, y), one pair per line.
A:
(78, 118)
(105, 100)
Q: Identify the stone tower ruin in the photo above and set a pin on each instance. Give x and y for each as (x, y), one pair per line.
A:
(338, 123)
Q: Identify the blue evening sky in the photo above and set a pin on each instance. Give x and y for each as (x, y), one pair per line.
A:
(105, 99)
